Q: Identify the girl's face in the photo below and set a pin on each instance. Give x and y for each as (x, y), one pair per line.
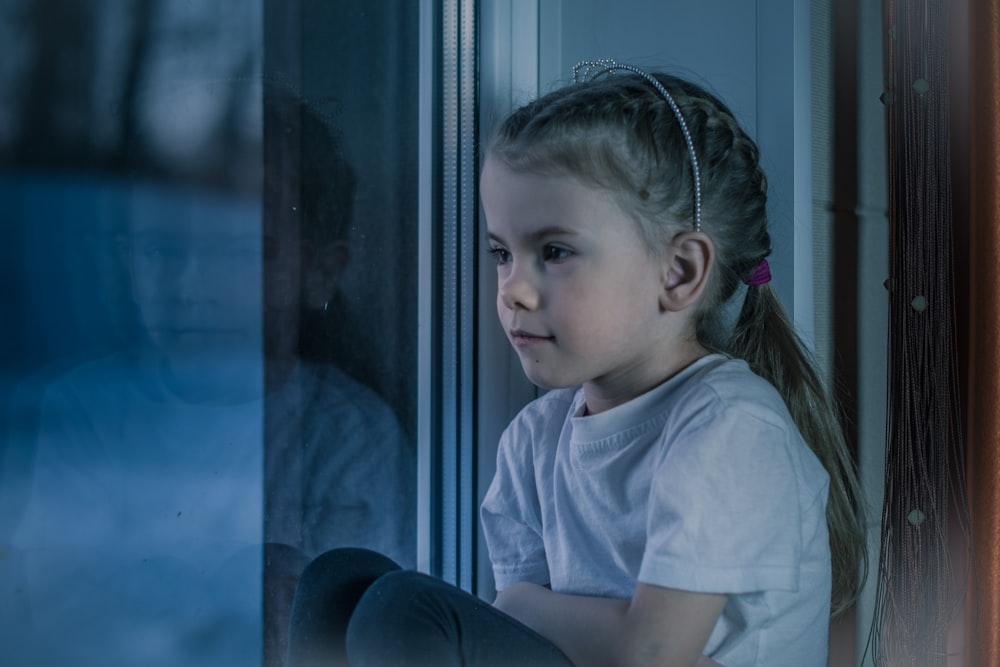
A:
(578, 289)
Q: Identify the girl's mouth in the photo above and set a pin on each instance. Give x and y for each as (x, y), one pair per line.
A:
(521, 338)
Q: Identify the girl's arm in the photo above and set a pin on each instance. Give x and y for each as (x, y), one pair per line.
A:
(658, 626)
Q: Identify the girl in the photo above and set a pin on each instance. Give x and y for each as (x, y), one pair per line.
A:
(685, 489)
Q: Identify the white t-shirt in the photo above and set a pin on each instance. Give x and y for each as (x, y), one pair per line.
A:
(702, 484)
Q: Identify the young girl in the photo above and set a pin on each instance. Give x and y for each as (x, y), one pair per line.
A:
(684, 490)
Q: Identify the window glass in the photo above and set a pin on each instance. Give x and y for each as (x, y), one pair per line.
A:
(208, 321)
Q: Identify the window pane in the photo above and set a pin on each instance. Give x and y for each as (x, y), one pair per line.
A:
(206, 358)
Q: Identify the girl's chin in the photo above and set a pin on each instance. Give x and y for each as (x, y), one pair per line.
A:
(539, 376)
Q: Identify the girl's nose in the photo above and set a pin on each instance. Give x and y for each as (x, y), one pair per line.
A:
(517, 291)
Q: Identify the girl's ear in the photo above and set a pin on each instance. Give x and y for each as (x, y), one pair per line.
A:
(687, 262)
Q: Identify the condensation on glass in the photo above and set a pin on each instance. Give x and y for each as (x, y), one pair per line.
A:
(208, 320)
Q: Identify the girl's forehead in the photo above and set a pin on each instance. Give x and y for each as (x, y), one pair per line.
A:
(529, 204)
(508, 190)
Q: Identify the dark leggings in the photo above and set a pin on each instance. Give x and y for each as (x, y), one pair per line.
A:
(357, 607)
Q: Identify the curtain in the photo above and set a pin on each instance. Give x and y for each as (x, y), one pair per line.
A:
(983, 326)
(941, 518)
(920, 582)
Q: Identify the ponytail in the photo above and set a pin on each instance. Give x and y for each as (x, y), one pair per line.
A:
(765, 338)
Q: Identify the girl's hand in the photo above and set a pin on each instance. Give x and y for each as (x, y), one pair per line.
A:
(658, 626)
(516, 601)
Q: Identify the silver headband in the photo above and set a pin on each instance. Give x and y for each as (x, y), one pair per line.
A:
(589, 70)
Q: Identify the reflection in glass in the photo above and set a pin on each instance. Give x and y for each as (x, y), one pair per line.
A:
(194, 400)
(339, 469)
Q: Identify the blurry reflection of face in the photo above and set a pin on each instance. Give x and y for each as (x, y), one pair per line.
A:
(196, 273)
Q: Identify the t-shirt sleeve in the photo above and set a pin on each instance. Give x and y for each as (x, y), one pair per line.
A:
(511, 513)
(725, 513)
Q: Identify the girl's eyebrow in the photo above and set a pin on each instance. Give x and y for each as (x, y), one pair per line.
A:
(540, 234)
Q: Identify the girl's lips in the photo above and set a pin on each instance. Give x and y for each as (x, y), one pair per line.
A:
(525, 338)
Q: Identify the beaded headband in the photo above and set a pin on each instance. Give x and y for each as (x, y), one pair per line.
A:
(588, 70)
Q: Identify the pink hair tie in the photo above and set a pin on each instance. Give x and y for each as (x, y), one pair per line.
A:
(760, 276)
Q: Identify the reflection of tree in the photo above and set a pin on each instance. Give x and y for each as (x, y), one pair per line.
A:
(100, 72)
(62, 52)
(142, 20)
(57, 104)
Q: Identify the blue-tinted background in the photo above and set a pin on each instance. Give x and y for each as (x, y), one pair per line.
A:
(207, 318)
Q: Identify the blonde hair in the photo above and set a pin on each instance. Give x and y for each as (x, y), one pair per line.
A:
(618, 133)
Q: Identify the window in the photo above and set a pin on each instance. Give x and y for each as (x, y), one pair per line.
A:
(210, 354)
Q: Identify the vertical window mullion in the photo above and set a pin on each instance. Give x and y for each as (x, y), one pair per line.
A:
(450, 314)
(447, 495)
(468, 168)
(428, 329)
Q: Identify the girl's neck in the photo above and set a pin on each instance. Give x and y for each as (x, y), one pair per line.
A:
(605, 393)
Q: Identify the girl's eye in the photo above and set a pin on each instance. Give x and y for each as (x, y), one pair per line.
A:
(501, 255)
(554, 253)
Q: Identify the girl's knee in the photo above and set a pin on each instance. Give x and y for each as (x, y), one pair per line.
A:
(343, 571)
(396, 610)
(393, 594)
(328, 591)
(347, 559)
